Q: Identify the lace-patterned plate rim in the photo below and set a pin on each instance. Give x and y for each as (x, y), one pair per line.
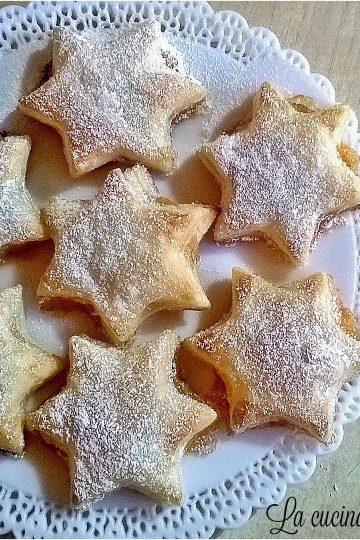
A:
(226, 31)
(293, 460)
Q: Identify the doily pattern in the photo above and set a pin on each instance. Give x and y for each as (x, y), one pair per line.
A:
(293, 460)
(225, 30)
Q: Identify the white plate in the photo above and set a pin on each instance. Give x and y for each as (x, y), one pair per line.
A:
(247, 471)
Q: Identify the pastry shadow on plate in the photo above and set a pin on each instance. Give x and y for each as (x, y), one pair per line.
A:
(192, 182)
(49, 178)
(237, 117)
(31, 77)
(28, 262)
(160, 321)
(219, 294)
(263, 258)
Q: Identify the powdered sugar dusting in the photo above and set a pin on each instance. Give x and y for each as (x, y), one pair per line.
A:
(282, 174)
(121, 420)
(127, 252)
(113, 95)
(286, 351)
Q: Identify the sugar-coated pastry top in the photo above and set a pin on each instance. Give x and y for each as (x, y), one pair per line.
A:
(283, 352)
(127, 252)
(282, 174)
(120, 419)
(114, 95)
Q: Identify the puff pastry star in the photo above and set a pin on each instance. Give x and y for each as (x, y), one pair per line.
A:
(282, 175)
(114, 95)
(121, 421)
(19, 218)
(283, 352)
(23, 368)
(128, 252)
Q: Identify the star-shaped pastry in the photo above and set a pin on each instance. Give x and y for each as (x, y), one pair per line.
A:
(19, 218)
(120, 419)
(282, 174)
(24, 367)
(113, 95)
(127, 252)
(282, 352)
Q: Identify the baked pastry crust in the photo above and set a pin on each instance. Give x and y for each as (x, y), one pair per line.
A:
(114, 96)
(282, 352)
(127, 252)
(121, 421)
(24, 367)
(282, 174)
(20, 219)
